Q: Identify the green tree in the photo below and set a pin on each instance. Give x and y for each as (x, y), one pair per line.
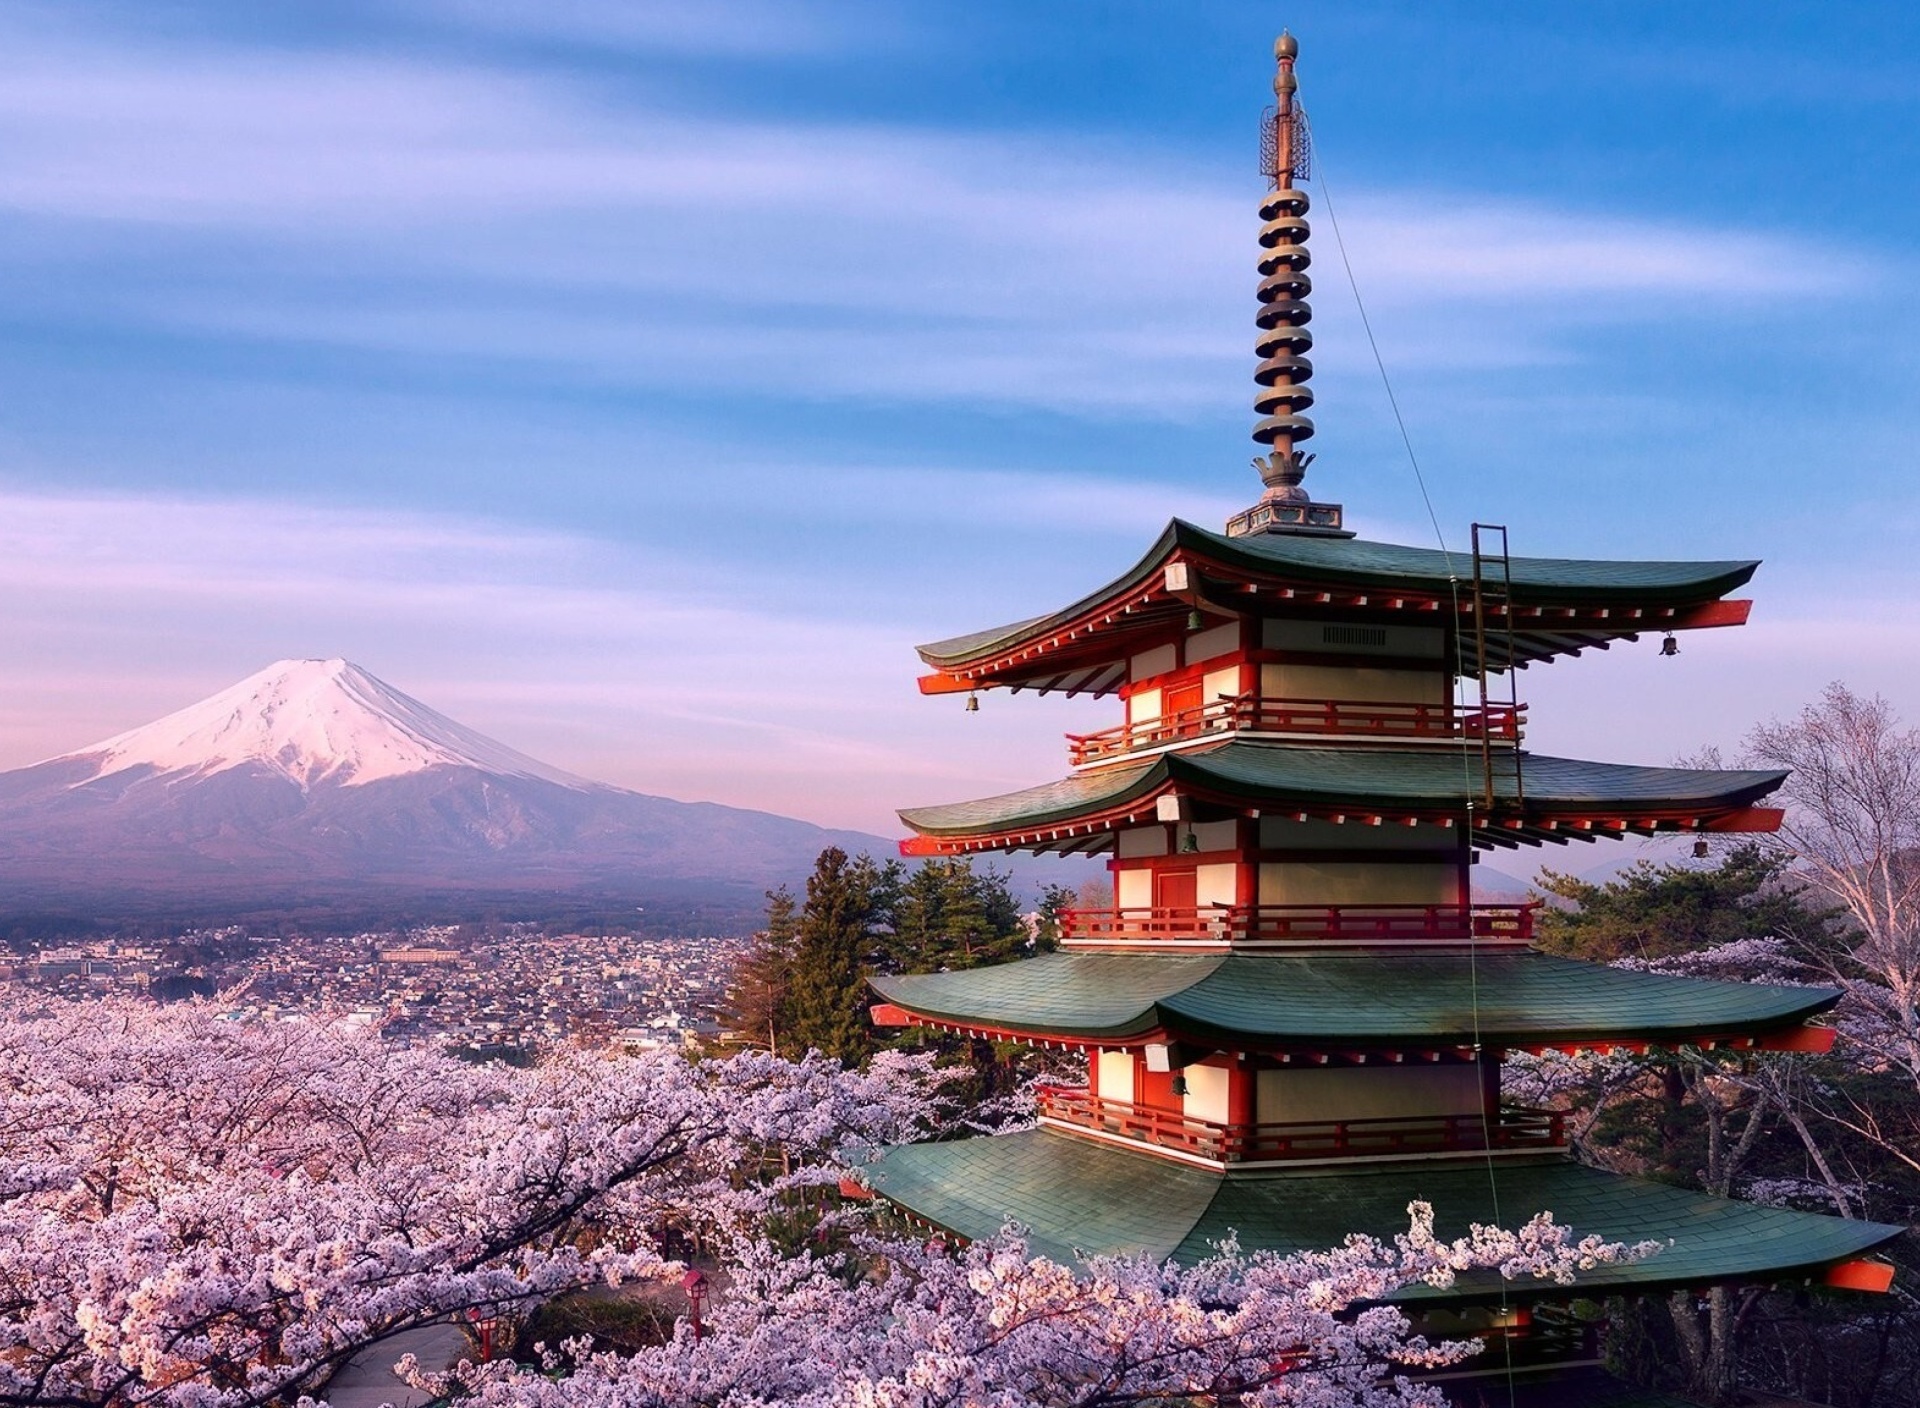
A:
(1718, 1120)
(1654, 910)
(838, 930)
(948, 915)
(759, 1009)
(1049, 921)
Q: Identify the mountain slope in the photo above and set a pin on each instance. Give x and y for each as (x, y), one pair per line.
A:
(313, 782)
(311, 721)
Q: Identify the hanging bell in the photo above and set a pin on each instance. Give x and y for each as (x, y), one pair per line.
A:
(1669, 646)
(973, 703)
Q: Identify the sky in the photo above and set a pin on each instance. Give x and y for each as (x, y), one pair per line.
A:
(638, 382)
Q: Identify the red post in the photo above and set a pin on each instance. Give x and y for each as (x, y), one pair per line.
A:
(694, 1283)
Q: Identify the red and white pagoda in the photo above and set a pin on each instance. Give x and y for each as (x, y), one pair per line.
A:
(1293, 1018)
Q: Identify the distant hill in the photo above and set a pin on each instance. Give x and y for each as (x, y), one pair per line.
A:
(313, 788)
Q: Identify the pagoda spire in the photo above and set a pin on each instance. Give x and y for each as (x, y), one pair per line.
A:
(1283, 342)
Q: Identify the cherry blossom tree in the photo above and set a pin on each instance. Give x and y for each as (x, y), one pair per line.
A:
(912, 1323)
(1853, 829)
(217, 1214)
(207, 1214)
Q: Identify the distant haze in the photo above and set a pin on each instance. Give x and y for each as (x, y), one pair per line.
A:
(312, 785)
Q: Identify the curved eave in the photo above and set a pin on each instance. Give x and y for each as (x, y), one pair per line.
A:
(1550, 799)
(1077, 1199)
(1561, 605)
(1350, 1002)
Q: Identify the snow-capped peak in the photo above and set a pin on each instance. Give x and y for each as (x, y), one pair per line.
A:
(312, 721)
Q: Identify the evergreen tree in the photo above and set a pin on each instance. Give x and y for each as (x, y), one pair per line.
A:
(758, 1010)
(837, 932)
(1655, 911)
(948, 915)
(918, 919)
(1049, 924)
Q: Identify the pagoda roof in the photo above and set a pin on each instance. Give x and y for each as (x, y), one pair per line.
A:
(1077, 1197)
(1551, 799)
(1347, 1001)
(1560, 605)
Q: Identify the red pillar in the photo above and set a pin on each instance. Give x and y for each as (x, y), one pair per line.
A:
(1240, 1091)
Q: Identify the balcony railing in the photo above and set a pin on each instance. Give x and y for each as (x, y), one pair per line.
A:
(1347, 718)
(1275, 923)
(1513, 1128)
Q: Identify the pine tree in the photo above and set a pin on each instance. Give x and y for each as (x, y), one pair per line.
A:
(949, 915)
(1049, 924)
(983, 923)
(758, 1011)
(918, 917)
(837, 933)
(1655, 910)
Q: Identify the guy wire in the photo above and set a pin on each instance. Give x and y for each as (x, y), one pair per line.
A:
(1466, 764)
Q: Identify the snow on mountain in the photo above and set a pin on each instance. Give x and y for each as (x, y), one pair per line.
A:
(313, 788)
(313, 722)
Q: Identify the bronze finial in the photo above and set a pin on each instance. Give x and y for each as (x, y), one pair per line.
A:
(1283, 341)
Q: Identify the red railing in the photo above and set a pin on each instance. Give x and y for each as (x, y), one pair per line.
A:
(1243, 923)
(1513, 1128)
(1251, 712)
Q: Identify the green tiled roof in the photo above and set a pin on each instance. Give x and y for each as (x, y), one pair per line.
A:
(1359, 1000)
(1356, 778)
(1079, 1197)
(1351, 562)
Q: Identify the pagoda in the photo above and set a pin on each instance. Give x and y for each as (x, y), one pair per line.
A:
(1294, 1015)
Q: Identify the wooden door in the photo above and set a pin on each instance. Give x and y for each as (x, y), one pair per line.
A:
(1180, 707)
(1176, 898)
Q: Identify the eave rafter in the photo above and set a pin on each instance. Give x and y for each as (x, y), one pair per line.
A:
(1504, 829)
(1801, 1037)
(1087, 653)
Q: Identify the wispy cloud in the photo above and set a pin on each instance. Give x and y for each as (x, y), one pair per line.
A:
(497, 214)
(1724, 682)
(633, 669)
(723, 28)
(641, 670)
(414, 271)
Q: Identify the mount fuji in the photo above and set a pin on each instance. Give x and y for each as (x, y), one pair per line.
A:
(313, 786)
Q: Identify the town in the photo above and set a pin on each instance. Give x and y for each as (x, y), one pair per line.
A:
(503, 991)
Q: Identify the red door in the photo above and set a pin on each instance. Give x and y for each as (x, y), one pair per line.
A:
(1176, 899)
(1180, 707)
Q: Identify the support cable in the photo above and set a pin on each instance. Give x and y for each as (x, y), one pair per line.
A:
(1487, 1118)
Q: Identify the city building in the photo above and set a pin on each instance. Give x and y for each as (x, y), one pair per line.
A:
(1294, 1016)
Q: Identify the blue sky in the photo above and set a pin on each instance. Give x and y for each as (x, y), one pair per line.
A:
(638, 382)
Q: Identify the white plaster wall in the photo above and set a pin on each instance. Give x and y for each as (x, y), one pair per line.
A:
(1221, 640)
(1133, 889)
(1220, 684)
(1149, 663)
(1116, 1076)
(1358, 682)
(1211, 835)
(1206, 1097)
(1216, 884)
(1143, 841)
(1144, 707)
